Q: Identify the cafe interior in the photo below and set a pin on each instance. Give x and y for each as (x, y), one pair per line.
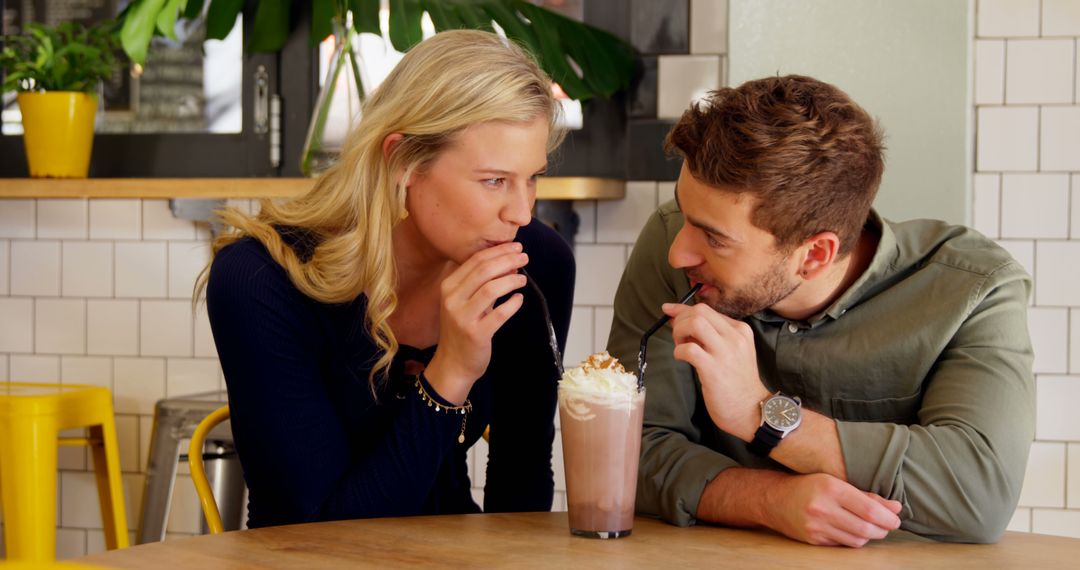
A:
(109, 372)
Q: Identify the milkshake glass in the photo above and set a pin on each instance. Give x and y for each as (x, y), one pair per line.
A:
(600, 411)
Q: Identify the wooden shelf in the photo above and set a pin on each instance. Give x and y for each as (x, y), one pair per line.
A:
(551, 188)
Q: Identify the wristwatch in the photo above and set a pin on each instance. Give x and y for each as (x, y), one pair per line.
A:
(780, 415)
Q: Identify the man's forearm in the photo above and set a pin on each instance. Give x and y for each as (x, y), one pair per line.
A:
(813, 448)
(737, 497)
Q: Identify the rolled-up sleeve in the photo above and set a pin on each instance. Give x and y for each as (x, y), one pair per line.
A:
(959, 471)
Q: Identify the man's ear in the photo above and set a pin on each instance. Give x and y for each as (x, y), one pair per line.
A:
(821, 251)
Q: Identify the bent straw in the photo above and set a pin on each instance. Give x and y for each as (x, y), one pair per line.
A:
(547, 319)
(645, 338)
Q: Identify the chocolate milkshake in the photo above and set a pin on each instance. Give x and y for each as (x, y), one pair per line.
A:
(600, 409)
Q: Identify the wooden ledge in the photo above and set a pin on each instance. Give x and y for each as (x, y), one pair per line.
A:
(551, 188)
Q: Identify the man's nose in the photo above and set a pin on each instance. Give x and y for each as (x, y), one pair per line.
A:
(682, 254)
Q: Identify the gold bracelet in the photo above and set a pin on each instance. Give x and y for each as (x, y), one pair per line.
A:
(463, 409)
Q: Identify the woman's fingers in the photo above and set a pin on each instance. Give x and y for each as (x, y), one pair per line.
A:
(489, 262)
(498, 316)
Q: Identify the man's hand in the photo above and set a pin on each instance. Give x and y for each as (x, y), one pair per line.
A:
(816, 509)
(722, 351)
(821, 509)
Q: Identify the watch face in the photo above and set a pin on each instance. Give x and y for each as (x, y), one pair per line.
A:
(781, 412)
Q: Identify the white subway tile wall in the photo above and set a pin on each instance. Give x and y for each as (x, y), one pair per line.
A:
(1007, 18)
(989, 72)
(1060, 18)
(17, 218)
(1074, 199)
(4, 273)
(1044, 480)
(115, 219)
(986, 202)
(1040, 71)
(60, 326)
(1032, 136)
(143, 338)
(86, 269)
(112, 327)
(35, 268)
(1049, 337)
(1007, 139)
(141, 269)
(1035, 206)
(1060, 138)
(62, 218)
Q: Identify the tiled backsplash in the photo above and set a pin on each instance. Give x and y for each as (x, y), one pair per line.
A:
(1027, 195)
(99, 291)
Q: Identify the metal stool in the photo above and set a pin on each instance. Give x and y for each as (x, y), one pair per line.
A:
(175, 420)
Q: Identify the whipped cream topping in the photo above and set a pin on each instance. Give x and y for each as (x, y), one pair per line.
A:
(600, 380)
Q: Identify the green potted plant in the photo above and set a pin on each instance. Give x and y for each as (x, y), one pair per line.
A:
(585, 61)
(56, 71)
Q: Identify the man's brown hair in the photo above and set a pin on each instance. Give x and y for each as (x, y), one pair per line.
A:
(809, 153)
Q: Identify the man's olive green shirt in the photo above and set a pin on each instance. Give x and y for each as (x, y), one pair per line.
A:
(925, 363)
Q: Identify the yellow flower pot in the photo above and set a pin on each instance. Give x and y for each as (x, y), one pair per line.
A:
(58, 131)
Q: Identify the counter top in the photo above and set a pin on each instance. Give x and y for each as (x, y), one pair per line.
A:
(550, 188)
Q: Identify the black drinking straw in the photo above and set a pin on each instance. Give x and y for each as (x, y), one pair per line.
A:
(547, 319)
(645, 337)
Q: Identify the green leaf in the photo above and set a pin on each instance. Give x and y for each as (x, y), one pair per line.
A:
(508, 19)
(221, 17)
(365, 14)
(271, 27)
(166, 19)
(322, 14)
(442, 16)
(138, 28)
(405, 31)
(193, 9)
(551, 53)
(472, 14)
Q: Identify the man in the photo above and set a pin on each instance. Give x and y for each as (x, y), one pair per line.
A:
(840, 376)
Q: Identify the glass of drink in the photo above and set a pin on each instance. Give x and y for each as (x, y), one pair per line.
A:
(600, 411)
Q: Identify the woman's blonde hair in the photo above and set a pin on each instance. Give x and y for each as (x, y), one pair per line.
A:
(442, 86)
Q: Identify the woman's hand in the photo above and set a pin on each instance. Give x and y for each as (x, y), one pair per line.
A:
(468, 317)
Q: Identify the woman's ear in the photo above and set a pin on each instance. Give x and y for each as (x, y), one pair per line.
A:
(389, 142)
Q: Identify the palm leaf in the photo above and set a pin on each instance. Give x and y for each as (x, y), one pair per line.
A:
(366, 16)
(271, 28)
(322, 14)
(221, 17)
(584, 60)
(405, 31)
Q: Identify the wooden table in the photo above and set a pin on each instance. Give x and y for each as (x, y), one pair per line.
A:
(542, 540)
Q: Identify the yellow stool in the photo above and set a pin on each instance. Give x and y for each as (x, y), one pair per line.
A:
(31, 419)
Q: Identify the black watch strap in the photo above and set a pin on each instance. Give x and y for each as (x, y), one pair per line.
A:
(765, 439)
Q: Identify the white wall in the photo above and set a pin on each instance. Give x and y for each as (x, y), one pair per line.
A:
(1027, 195)
(905, 62)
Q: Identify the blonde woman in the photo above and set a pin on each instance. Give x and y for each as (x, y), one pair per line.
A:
(370, 330)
